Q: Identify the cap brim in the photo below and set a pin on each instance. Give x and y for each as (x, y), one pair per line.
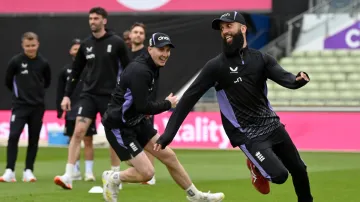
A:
(166, 43)
(216, 23)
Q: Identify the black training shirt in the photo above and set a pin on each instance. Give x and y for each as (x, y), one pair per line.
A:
(240, 83)
(28, 78)
(131, 100)
(105, 59)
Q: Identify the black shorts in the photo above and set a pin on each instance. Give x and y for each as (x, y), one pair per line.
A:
(90, 105)
(70, 127)
(129, 142)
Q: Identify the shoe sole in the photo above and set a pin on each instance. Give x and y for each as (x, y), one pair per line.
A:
(221, 199)
(248, 163)
(31, 180)
(61, 184)
(146, 183)
(2, 180)
(106, 193)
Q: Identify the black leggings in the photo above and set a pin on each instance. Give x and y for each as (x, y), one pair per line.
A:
(275, 157)
(20, 116)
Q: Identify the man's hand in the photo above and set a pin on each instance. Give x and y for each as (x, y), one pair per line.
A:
(65, 104)
(161, 143)
(302, 76)
(172, 99)
(157, 147)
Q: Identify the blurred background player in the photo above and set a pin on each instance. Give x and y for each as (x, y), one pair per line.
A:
(105, 55)
(126, 37)
(27, 76)
(71, 116)
(137, 38)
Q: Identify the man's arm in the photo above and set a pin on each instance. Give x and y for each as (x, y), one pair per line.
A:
(139, 87)
(284, 78)
(47, 76)
(123, 54)
(205, 80)
(77, 68)
(60, 92)
(10, 73)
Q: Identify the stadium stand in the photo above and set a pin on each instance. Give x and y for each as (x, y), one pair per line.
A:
(334, 75)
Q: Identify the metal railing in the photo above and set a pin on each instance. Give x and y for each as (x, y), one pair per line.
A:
(283, 45)
(325, 7)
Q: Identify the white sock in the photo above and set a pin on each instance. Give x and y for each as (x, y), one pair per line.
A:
(192, 191)
(69, 169)
(115, 177)
(89, 166)
(77, 166)
(115, 168)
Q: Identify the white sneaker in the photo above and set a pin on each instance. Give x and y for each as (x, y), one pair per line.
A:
(9, 176)
(89, 177)
(77, 176)
(111, 189)
(28, 176)
(63, 181)
(207, 197)
(150, 182)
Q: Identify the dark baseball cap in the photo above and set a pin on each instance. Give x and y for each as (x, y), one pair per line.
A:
(228, 17)
(160, 40)
(75, 41)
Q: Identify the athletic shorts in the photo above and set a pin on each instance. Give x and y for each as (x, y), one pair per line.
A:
(129, 142)
(90, 105)
(70, 127)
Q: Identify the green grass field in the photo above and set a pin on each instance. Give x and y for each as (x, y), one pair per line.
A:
(334, 178)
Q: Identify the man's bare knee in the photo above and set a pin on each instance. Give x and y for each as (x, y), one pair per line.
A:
(88, 141)
(142, 164)
(81, 127)
(79, 132)
(148, 174)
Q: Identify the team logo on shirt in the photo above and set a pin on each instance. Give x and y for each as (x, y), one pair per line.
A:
(89, 49)
(25, 72)
(24, 65)
(68, 71)
(109, 48)
(239, 79)
(234, 70)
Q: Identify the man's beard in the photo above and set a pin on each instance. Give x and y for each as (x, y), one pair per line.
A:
(235, 46)
(96, 29)
(137, 43)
